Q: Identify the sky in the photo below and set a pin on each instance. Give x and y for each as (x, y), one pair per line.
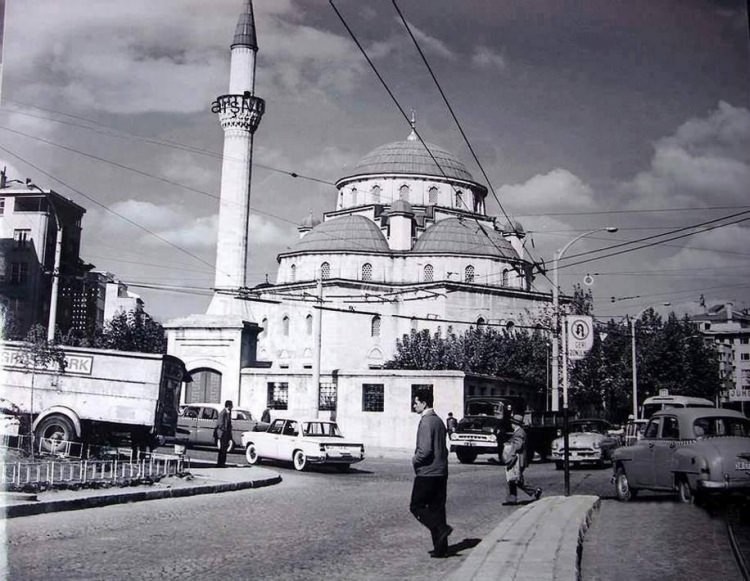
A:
(583, 114)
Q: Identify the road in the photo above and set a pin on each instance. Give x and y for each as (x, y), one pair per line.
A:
(316, 524)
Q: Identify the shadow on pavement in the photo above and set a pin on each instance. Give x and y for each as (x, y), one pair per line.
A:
(454, 550)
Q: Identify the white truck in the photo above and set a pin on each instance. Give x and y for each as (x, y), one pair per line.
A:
(100, 394)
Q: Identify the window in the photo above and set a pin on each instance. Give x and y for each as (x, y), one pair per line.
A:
(373, 395)
(285, 325)
(325, 271)
(459, 199)
(21, 236)
(354, 196)
(432, 195)
(264, 324)
(205, 387)
(505, 277)
(414, 325)
(744, 340)
(429, 273)
(480, 321)
(367, 271)
(293, 273)
(416, 388)
(745, 356)
(309, 324)
(652, 429)
(375, 326)
(19, 272)
(403, 193)
(209, 414)
(469, 274)
(375, 193)
(278, 396)
(276, 427)
(327, 397)
(670, 429)
(2, 205)
(290, 428)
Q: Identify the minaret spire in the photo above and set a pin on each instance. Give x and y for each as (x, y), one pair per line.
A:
(413, 123)
(240, 112)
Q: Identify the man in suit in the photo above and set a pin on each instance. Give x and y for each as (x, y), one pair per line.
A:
(514, 456)
(224, 433)
(430, 462)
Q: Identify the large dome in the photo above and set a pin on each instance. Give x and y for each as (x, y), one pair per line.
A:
(350, 233)
(464, 236)
(411, 157)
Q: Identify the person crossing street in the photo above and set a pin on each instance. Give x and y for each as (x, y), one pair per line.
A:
(514, 457)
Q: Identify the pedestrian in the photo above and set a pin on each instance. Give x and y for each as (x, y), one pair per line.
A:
(514, 457)
(430, 462)
(266, 417)
(451, 423)
(223, 433)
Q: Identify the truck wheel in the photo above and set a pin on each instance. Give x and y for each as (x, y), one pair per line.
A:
(466, 456)
(299, 460)
(53, 431)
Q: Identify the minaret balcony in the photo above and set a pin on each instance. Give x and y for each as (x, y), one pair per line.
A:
(239, 111)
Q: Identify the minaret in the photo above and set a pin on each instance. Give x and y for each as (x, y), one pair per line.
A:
(239, 112)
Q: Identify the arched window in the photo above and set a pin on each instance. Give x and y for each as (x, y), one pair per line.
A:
(285, 325)
(375, 193)
(403, 192)
(367, 271)
(309, 324)
(264, 324)
(432, 195)
(375, 326)
(293, 273)
(429, 273)
(510, 325)
(505, 277)
(205, 387)
(325, 271)
(414, 325)
(469, 274)
(480, 321)
(354, 196)
(459, 199)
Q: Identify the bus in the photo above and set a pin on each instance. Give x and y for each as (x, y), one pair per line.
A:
(663, 402)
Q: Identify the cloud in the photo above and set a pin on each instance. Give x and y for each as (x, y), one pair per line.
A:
(706, 162)
(557, 189)
(431, 44)
(485, 57)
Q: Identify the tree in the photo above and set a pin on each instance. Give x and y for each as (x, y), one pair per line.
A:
(133, 331)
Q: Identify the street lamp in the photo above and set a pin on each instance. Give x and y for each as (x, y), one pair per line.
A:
(556, 348)
(635, 360)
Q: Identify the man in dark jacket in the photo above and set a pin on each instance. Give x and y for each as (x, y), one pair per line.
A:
(514, 457)
(224, 433)
(430, 462)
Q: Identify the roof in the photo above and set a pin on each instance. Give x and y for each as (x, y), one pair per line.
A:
(411, 157)
(694, 413)
(350, 233)
(464, 236)
(244, 34)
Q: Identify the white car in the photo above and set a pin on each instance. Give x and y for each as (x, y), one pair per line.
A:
(303, 442)
(590, 442)
(9, 418)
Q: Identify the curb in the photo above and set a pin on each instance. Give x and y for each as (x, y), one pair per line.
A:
(541, 540)
(18, 510)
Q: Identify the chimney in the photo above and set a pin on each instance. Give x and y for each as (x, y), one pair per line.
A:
(728, 307)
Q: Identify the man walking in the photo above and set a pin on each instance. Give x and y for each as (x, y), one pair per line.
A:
(430, 462)
(224, 433)
(514, 456)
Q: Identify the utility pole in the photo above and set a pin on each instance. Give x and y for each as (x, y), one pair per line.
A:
(317, 336)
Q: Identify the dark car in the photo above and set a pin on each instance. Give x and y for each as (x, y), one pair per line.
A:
(196, 423)
(690, 451)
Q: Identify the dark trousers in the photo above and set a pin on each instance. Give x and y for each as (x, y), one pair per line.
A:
(224, 446)
(428, 496)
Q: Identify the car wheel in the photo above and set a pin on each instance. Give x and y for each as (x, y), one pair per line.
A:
(466, 456)
(684, 492)
(230, 447)
(299, 460)
(251, 454)
(53, 431)
(622, 486)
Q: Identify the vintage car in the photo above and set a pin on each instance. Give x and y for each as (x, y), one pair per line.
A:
(590, 441)
(690, 451)
(196, 423)
(303, 442)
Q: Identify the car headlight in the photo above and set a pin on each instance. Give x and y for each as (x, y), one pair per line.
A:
(555, 444)
(452, 436)
(596, 444)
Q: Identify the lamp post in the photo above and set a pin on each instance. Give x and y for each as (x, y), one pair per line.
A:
(635, 359)
(556, 349)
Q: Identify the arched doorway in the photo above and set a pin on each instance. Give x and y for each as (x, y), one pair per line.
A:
(205, 387)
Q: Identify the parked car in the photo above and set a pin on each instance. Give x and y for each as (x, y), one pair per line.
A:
(690, 451)
(590, 441)
(196, 423)
(303, 442)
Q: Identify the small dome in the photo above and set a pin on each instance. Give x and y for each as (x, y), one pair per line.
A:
(411, 157)
(353, 233)
(309, 221)
(401, 207)
(464, 236)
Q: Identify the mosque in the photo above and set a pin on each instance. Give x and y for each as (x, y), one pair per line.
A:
(408, 247)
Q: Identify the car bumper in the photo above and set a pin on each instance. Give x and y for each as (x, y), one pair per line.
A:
(578, 456)
(721, 485)
(478, 447)
(337, 459)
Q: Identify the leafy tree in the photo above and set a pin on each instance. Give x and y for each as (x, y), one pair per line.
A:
(133, 331)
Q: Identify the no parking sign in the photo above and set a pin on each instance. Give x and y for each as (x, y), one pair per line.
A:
(580, 336)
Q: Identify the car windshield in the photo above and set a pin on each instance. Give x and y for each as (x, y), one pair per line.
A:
(322, 429)
(596, 427)
(721, 426)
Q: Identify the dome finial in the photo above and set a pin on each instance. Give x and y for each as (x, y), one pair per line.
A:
(413, 123)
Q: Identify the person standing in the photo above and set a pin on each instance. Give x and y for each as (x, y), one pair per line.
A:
(430, 461)
(224, 433)
(514, 457)
(451, 423)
